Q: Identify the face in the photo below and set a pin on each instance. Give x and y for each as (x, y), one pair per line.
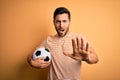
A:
(61, 24)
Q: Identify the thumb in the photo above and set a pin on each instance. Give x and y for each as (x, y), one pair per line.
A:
(68, 54)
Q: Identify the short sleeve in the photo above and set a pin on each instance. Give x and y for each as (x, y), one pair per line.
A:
(42, 44)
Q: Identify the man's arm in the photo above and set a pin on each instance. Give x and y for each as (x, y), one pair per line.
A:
(37, 63)
(82, 51)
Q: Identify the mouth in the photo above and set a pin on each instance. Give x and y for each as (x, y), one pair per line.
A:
(61, 30)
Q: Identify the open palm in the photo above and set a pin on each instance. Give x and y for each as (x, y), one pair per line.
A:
(80, 49)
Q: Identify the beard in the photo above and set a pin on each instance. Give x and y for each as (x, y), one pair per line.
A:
(62, 32)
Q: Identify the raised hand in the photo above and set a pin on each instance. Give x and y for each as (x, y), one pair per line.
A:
(80, 50)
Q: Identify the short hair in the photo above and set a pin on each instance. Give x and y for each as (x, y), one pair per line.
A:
(61, 10)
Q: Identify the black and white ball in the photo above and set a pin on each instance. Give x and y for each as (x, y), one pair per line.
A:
(42, 52)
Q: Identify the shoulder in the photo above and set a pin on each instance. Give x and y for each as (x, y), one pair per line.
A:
(50, 38)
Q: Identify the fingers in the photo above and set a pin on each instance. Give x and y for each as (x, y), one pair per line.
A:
(73, 56)
(78, 42)
(74, 44)
(40, 58)
(45, 64)
(82, 44)
(68, 54)
(87, 46)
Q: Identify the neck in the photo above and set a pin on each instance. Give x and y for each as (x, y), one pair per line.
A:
(62, 36)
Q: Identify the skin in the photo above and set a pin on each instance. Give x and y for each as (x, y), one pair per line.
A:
(61, 24)
(37, 63)
(81, 50)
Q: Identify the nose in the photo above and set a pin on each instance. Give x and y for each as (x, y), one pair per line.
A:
(61, 24)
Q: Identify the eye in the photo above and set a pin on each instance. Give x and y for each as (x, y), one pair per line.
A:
(64, 21)
(57, 21)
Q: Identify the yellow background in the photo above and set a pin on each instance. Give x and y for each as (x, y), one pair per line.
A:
(24, 24)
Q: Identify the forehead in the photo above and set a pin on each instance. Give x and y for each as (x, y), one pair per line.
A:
(63, 16)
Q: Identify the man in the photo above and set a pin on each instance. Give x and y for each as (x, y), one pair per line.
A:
(67, 49)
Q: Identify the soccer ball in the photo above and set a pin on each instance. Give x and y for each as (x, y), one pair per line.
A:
(42, 52)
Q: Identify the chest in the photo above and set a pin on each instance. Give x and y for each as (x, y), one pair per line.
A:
(58, 46)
